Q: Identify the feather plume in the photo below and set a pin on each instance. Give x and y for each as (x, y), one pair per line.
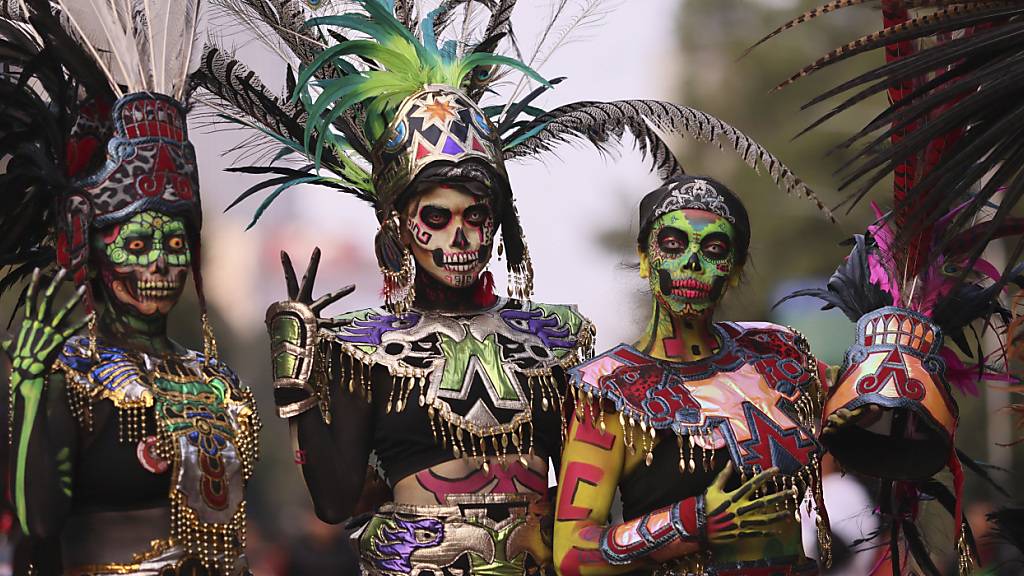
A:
(406, 64)
(600, 122)
(141, 45)
(37, 107)
(850, 288)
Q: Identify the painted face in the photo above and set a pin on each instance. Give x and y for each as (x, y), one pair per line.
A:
(452, 234)
(144, 262)
(688, 260)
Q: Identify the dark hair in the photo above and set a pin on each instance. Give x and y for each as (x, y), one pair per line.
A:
(726, 203)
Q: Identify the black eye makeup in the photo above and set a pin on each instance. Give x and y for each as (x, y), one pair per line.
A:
(477, 214)
(715, 246)
(672, 240)
(435, 217)
(137, 244)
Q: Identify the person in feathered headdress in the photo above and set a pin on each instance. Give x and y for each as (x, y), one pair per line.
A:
(130, 450)
(456, 390)
(916, 283)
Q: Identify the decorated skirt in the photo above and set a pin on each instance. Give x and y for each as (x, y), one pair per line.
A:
(758, 399)
(206, 434)
(493, 534)
(475, 375)
(164, 559)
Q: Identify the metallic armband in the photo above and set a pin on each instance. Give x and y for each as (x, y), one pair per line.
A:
(293, 345)
(678, 524)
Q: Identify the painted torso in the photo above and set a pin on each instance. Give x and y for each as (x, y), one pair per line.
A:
(453, 385)
(192, 429)
(754, 403)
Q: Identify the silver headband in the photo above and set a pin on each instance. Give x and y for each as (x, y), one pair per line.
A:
(699, 195)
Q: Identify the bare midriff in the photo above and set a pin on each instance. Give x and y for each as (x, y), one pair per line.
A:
(501, 476)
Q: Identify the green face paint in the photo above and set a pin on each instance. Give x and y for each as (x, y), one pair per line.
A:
(691, 257)
(144, 263)
(145, 237)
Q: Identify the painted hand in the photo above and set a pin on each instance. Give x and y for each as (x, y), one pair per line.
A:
(294, 325)
(742, 513)
(43, 332)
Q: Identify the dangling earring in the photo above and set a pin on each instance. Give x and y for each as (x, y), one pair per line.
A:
(209, 342)
(399, 290)
(91, 329)
(399, 287)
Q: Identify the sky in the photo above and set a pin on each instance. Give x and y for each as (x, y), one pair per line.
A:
(565, 201)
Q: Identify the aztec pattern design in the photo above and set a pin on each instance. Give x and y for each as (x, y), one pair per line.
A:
(896, 364)
(477, 372)
(759, 405)
(438, 123)
(498, 534)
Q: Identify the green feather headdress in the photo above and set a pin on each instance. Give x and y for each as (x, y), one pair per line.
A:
(404, 65)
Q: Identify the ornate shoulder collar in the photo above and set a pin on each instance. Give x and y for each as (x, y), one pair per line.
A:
(530, 337)
(120, 375)
(476, 372)
(763, 410)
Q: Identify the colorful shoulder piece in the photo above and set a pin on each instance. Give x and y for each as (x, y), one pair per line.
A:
(756, 396)
(507, 353)
(110, 373)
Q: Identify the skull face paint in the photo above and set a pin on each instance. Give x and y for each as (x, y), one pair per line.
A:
(689, 258)
(451, 235)
(144, 262)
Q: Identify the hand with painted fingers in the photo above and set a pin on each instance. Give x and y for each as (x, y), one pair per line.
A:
(42, 334)
(294, 325)
(861, 416)
(742, 513)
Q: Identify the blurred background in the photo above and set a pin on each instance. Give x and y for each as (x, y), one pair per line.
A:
(579, 214)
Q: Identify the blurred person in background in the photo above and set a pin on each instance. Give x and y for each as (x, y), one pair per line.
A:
(130, 453)
(927, 298)
(319, 549)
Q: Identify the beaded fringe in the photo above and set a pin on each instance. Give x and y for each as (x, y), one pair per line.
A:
(217, 546)
(451, 431)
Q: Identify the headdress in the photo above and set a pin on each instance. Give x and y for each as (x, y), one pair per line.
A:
(389, 96)
(95, 128)
(951, 139)
(699, 193)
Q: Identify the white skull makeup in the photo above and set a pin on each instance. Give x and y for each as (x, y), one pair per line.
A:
(452, 234)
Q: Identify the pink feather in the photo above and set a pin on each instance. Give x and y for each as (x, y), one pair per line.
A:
(881, 262)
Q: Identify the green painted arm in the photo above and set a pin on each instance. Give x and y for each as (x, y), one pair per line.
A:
(40, 338)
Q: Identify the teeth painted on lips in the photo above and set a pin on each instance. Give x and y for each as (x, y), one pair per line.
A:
(460, 260)
(690, 288)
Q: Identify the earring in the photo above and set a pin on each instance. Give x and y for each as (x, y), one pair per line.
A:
(399, 290)
(209, 342)
(91, 329)
(399, 286)
(520, 277)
